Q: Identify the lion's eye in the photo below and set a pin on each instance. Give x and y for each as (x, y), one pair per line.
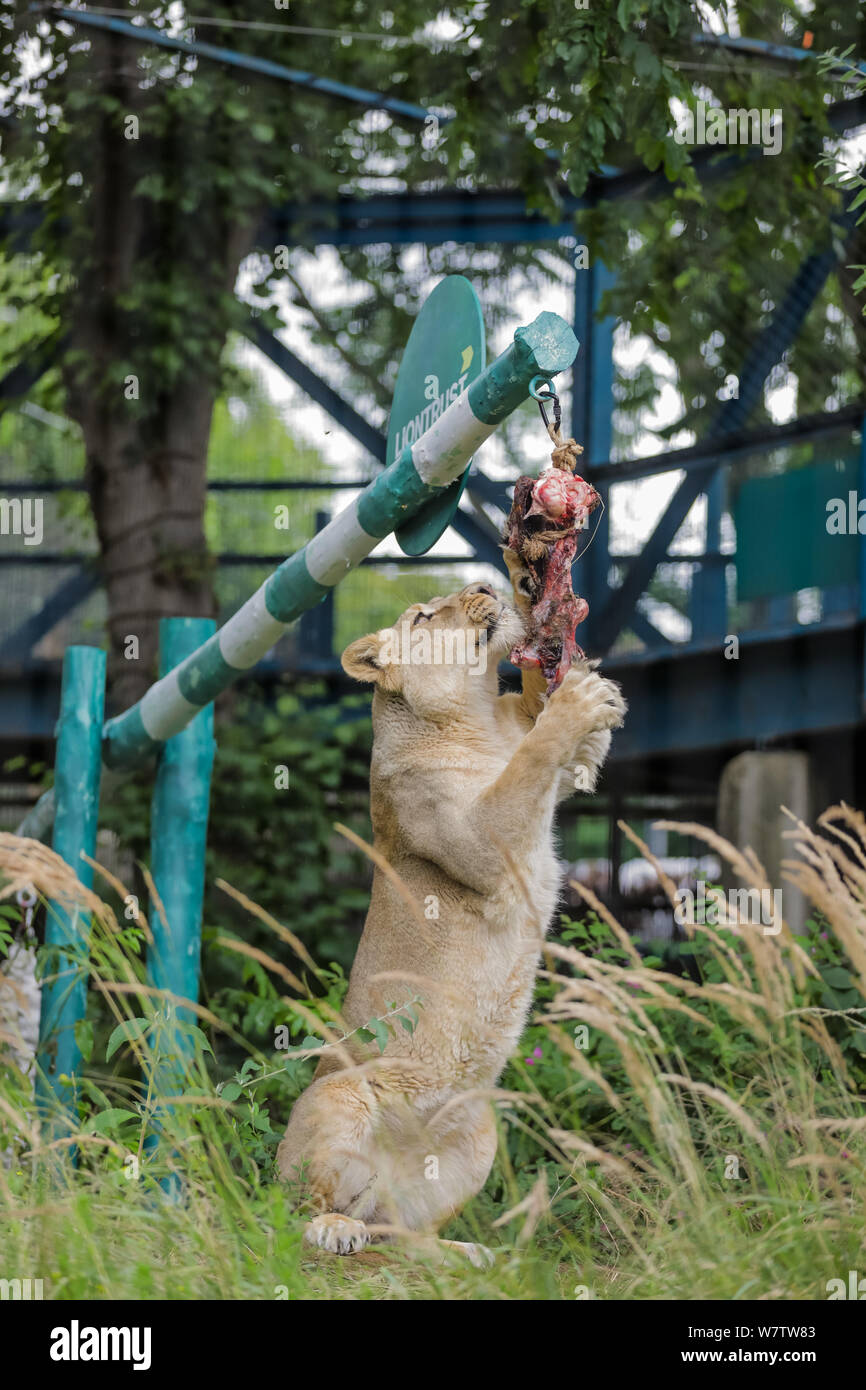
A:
(418, 617)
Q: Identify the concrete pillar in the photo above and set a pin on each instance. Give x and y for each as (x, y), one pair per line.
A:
(752, 789)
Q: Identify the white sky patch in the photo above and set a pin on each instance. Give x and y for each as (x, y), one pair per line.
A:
(719, 19)
(781, 399)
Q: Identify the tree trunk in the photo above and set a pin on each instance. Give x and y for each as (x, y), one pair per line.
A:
(148, 503)
(144, 362)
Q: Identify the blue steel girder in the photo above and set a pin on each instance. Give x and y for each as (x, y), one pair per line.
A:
(324, 395)
(367, 435)
(489, 215)
(24, 375)
(262, 67)
(788, 684)
(760, 360)
(592, 419)
(21, 641)
(761, 48)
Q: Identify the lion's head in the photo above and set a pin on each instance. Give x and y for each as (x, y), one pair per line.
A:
(439, 656)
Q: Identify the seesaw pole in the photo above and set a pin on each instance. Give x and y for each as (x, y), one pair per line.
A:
(441, 454)
(543, 348)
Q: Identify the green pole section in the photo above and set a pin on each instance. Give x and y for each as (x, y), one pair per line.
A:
(76, 792)
(178, 839)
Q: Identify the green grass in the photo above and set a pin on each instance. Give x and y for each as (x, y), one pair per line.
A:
(707, 1142)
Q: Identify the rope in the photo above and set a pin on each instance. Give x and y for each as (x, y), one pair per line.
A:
(566, 451)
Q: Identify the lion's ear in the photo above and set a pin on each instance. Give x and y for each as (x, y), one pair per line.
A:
(370, 658)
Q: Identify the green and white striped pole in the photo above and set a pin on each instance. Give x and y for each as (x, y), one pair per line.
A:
(425, 466)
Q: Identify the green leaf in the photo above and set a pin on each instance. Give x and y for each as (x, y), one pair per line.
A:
(646, 64)
(201, 1039)
(127, 1031)
(109, 1119)
(83, 1033)
(837, 977)
(230, 1091)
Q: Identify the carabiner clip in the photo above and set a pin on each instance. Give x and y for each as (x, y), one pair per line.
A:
(535, 390)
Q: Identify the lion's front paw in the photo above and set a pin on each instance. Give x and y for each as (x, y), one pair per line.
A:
(342, 1235)
(521, 581)
(587, 704)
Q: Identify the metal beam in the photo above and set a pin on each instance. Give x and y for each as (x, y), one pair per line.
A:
(24, 375)
(786, 684)
(778, 52)
(491, 215)
(737, 442)
(647, 631)
(339, 409)
(592, 414)
(325, 86)
(71, 592)
(763, 356)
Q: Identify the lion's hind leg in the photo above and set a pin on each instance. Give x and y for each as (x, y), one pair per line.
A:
(328, 1152)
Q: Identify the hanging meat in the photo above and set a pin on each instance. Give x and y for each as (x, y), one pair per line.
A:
(547, 517)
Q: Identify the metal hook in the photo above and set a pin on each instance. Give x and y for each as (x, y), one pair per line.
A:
(535, 390)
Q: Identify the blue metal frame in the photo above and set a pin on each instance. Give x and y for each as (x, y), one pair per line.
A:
(262, 67)
(592, 426)
(760, 360)
(760, 48)
(318, 390)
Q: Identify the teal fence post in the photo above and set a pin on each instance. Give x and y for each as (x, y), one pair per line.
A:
(178, 840)
(76, 793)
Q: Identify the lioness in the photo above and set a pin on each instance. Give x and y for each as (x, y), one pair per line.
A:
(463, 789)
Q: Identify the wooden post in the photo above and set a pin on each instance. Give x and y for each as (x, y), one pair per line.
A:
(178, 840)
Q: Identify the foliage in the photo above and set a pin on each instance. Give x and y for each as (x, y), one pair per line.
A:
(840, 174)
(549, 91)
(708, 1142)
(274, 844)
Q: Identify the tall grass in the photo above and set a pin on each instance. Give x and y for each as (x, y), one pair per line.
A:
(691, 1136)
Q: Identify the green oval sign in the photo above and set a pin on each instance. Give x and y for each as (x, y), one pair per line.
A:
(445, 352)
